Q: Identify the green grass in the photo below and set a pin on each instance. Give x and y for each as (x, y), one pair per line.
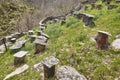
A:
(73, 47)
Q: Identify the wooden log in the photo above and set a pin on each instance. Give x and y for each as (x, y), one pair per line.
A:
(102, 40)
(19, 57)
(49, 67)
(39, 46)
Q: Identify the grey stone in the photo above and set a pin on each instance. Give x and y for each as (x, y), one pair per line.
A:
(116, 44)
(13, 40)
(39, 45)
(45, 35)
(118, 36)
(68, 73)
(2, 47)
(42, 38)
(17, 71)
(38, 67)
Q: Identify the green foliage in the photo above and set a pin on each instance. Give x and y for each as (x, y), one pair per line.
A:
(73, 47)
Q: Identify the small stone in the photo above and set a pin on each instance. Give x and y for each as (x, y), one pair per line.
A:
(38, 67)
(116, 44)
(118, 36)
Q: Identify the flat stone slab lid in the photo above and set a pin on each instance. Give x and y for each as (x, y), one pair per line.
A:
(33, 36)
(105, 33)
(20, 53)
(13, 39)
(50, 61)
(89, 15)
(39, 41)
(116, 44)
(30, 31)
(43, 34)
(41, 37)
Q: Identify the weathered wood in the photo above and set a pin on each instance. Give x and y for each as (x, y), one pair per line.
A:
(32, 38)
(39, 33)
(111, 6)
(116, 44)
(39, 46)
(4, 42)
(102, 40)
(19, 57)
(88, 19)
(30, 32)
(49, 67)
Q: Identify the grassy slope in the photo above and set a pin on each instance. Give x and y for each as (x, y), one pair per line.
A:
(72, 44)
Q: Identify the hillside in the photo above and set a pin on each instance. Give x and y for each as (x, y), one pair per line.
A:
(73, 46)
(15, 17)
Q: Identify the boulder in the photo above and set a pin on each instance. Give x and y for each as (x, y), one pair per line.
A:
(68, 73)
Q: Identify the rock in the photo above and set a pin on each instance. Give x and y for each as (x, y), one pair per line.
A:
(117, 1)
(38, 67)
(19, 57)
(17, 71)
(118, 36)
(116, 44)
(69, 73)
(32, 38)
(2, 47)
(39, 46)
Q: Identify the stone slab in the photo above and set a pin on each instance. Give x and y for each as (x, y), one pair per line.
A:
(17, 71)
(20, 54)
